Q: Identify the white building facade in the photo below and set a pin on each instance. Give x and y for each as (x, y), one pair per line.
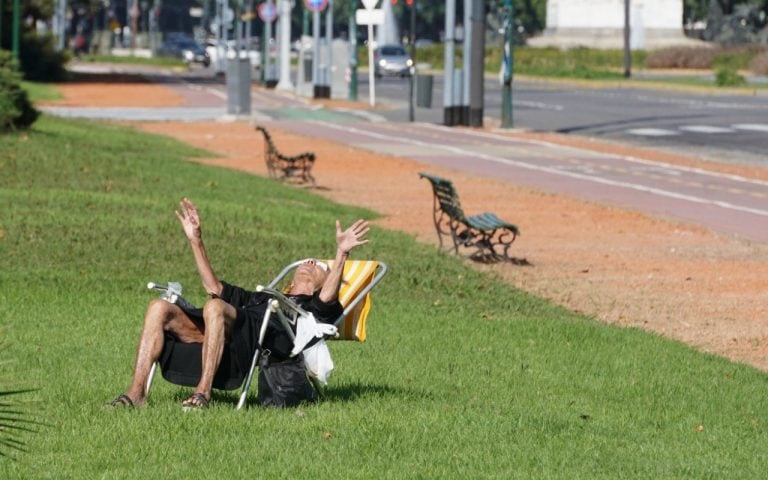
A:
(600, 24)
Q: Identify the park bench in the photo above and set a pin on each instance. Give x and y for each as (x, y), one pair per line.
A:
(485, 237)
(284, 167)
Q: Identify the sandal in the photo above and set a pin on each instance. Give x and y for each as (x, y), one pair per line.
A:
(121, 400)
(196, 401)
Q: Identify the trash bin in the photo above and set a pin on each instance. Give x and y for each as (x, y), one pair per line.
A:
(424, 90)
(239, 86)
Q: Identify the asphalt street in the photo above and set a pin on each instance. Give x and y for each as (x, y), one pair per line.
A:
(712, 125)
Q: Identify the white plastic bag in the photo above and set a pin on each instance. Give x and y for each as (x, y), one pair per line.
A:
(307, 329)
(318, 361)
(317, 358)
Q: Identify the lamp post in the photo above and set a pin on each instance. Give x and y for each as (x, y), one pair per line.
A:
(474, 112)
(508, 65)
(627, 53)
(15, 32)
(411, 113)
(449, 118)
(328, 73)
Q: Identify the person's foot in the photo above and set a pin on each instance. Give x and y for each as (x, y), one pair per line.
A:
(121, 401)
(197, 401)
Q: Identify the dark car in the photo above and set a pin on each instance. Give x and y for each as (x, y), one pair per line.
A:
(391, 60)
(186, 49)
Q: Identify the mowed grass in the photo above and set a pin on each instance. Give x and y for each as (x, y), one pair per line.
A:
(462, 375)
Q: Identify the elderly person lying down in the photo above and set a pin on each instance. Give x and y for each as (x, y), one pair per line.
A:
(232, 318)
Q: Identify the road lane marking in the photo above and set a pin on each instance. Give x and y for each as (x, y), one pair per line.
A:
(705, 129)
(652, 132)
(539, 105)
(550, 170)
(756, 127)
(628, 158)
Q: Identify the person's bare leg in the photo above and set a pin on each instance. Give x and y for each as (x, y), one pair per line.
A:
(161, 316)
(219, 317)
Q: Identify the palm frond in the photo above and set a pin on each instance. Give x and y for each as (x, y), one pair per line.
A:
(16, 422)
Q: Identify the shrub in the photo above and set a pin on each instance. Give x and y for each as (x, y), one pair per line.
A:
(759, 64)
(16, 111)
(737, 57)
(728, 77)
(681, 57)
(733, 58)
(40, 61)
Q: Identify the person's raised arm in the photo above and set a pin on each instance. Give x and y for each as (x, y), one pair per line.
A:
(190, 222)
(345, 241)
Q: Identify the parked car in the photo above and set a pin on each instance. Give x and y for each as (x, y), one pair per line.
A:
(184, 48)
(392, 60)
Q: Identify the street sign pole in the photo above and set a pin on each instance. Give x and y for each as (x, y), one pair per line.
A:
(267, 13)
(370, 5)
(284, 10)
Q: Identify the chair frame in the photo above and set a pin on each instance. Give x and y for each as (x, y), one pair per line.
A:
(285, 310)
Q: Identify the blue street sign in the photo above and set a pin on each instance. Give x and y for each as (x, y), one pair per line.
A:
(316, 5)
(267, 12)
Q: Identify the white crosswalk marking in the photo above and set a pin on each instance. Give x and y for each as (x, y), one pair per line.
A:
(756, 127)
(663, 132)
(705, 129)
(652, 132)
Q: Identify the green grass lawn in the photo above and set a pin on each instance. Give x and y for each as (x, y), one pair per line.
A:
(41, 92)
(462, 376)
(159, 61)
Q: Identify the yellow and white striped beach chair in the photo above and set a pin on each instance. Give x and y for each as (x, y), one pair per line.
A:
(357, 281)
(359, 277)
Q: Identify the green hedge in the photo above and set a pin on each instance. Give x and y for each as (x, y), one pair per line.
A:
(16, 110)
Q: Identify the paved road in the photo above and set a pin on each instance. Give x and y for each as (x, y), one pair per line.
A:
(723, 127)
(725, 203)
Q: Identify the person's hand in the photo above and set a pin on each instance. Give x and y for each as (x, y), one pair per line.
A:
(189, 218)
(352, 237)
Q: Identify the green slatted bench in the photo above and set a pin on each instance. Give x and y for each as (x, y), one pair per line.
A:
(283, 167)
(484, 237)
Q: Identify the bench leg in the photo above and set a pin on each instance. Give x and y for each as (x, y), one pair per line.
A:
(445, 228)
(489, 246)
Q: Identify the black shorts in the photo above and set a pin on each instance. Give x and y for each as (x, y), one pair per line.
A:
(181, 363)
